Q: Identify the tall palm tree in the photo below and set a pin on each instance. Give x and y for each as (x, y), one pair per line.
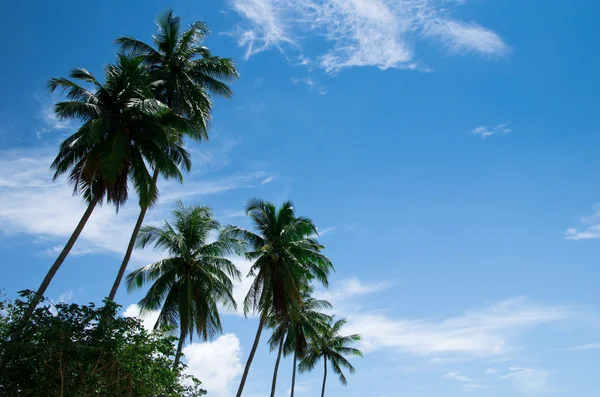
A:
(184, 74)
(305, 323)
(331, 346)
(284, 253)
(124, 127)
(189, 285)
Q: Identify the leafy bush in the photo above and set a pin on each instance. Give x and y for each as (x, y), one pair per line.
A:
(63, 352)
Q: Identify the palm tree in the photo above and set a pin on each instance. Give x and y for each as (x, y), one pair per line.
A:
(332, 347)
(184, 73)
(124, 127)
(284, 253)
(305, 323)
(189, 285)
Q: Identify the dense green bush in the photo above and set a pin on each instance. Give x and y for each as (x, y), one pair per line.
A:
(63, 352)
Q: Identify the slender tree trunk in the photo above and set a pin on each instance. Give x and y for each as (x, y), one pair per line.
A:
(179, 349)
(50, 275)
(293, 374)
(251, 357)
(131, 246)
(324, 376)
(274, 384)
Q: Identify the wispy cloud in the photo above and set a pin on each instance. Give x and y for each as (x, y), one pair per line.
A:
(529, 381)
(311, 84)
(488, 332)
(589, 228)
(50, 121)
(589, 346)
(458, 377)
(346, 289)
(32, 204)
(268, 179)
(491, 371)
(484, 131)
(467, 382)
(379, 33)
(327, 230)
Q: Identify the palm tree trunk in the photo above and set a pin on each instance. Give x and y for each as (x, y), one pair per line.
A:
(274, 384)
(131, 245)
(293, 374)
(251, 357)
(50, 275)
(179, 349)
(324, 376)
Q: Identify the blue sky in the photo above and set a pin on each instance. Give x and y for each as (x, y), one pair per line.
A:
(448, 150)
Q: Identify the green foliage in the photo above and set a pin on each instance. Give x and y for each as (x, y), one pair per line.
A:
(62, 352)
(332, 347)
(188, 286)
(183, 71)
(285, 255)
(123, 128)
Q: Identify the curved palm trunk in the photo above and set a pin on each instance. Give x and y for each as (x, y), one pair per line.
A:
(251, 357)
(274, 384)
(293, 375)
(131, 246)
(324, 376)
(179, 349)
(50, 275)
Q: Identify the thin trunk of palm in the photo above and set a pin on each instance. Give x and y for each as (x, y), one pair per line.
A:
(274, 384)
(293, 374)
(179, 349)
(131, 246)
(251, 357)
(50, 275)
(324, 376)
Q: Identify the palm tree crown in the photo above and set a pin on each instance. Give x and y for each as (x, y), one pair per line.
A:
(305, 322)
(284, 254)
(124, 127)
(184, 72)
(333, 347)
(194, 279)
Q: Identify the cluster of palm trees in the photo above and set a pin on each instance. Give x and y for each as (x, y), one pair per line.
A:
(196, 278)
(133, 128)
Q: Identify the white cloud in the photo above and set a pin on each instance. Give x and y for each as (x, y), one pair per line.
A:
(491, 371)
(485, 131)
(589, 228)
(267, 28)
(461, 37)
(75, 251)
(343, 290)
(311, 84)
(476, 386)
(66, 297)
(458, 377)
(241, 288)
(589, 346)
(327, 230)
(148, 318)
(377, 33)
(529, 381)
(489, 332)
(31, 203)
(267, 180)
(217, 364)
(50, 121)
(300, 387)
